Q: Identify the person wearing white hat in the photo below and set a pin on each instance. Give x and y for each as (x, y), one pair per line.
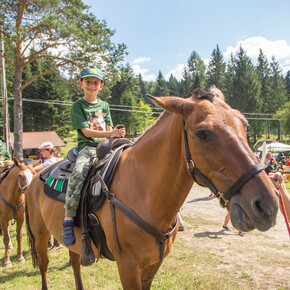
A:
(47, 152)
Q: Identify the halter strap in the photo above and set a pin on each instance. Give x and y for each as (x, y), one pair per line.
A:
(223, 198)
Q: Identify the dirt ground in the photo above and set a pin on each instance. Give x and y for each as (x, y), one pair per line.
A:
(262, 256)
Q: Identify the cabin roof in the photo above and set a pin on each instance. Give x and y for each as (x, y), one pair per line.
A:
(32, 140)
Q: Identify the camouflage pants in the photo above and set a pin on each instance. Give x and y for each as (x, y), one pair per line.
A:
(85, 159)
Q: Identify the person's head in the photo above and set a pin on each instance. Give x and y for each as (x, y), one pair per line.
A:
(91, 81)
(46, 149)
(2, 146)
(280, 163)
(273, 160)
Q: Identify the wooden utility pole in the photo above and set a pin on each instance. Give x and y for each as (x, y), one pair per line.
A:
(4, 96)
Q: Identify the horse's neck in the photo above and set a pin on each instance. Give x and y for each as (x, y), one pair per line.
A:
(160, 158)
(9, 188)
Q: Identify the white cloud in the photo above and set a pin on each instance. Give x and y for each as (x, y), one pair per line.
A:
(144, 72)
(141, 59)
(279, 48)
(176, 72)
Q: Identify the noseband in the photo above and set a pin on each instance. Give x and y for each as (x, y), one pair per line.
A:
(223, 197)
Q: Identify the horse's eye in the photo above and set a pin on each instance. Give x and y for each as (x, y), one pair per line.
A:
(201, 135)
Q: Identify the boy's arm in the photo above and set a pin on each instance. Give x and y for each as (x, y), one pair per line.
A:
(110, 133)
(279, 183)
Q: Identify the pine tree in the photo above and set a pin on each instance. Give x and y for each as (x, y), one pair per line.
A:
(126, 92)
(161, 87)
(216, 70)
(49, 87)
(287, 81)
(173, 86)
(246, 85)
(196, 70)
(244, 88)
(185, 83)
(63, 26)
(278, 85)
(263, 71)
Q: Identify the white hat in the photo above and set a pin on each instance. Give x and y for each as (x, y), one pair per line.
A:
(46, 145)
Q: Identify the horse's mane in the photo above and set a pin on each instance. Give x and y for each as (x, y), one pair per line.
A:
(200, 94)
(4, 173)
(162, 116)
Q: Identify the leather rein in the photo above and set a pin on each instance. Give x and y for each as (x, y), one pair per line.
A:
(223, 197)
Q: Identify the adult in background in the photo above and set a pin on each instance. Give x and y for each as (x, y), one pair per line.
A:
(47, 153)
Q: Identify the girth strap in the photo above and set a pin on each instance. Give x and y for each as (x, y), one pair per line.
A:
(161, 237)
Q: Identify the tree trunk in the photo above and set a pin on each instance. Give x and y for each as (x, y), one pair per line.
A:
(18, 114)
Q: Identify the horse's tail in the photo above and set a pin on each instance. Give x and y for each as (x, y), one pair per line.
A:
(31, 240)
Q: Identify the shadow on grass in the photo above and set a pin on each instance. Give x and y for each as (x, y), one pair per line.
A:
(214, 235)
(20, 273)
(202, 199)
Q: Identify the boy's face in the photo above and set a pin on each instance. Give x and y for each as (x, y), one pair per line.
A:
(91, 86)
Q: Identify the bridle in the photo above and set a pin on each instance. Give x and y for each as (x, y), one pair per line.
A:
(223, 197)
(22, 189)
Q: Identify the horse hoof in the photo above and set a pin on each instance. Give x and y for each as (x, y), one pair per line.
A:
(10, 246)
(22, 260)
(8, 264)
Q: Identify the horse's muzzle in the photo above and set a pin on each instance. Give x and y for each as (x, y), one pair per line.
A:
(259, 214)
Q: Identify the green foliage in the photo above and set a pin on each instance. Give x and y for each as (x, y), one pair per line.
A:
(173, 86)
(62, 30)
(196, 71)
(161, 86)
(284, 115)
(216, 69)
(244, 82)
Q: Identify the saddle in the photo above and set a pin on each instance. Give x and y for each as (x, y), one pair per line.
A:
(55, 179)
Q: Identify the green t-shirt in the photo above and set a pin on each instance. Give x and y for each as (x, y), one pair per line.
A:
(4, 155)
(90, 115)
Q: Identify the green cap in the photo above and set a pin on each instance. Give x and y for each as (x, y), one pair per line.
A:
(2, 146)
(91, 71)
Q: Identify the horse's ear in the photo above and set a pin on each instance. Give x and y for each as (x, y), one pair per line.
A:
(216, 92)
(16, 162)
(36, 163)
(173, 104)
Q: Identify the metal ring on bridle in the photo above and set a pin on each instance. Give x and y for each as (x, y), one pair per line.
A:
(188, 164)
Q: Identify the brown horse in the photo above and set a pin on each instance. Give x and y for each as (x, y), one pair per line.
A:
(153, 179)
(13, 182)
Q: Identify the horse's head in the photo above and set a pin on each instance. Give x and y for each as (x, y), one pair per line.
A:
(25, 173)
(217, 143)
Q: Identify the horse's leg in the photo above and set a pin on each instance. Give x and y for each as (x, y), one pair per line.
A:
(41, 243)
(19, 239)
(7, 243)
(130, 273)
(147, 276)
(76, 265)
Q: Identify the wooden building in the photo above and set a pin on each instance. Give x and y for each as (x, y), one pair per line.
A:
(33, 140)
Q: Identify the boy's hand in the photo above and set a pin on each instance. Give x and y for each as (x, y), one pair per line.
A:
(119, 131)
(277, 179)
(8, 162)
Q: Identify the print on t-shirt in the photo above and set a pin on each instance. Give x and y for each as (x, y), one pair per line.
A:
(97, 121)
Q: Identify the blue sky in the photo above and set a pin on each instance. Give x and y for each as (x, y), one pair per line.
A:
(161, 34)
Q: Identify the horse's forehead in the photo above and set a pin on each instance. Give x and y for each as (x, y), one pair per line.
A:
(217, 112)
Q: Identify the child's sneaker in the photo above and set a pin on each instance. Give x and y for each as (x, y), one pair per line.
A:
(68, 235)
(227, 228)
